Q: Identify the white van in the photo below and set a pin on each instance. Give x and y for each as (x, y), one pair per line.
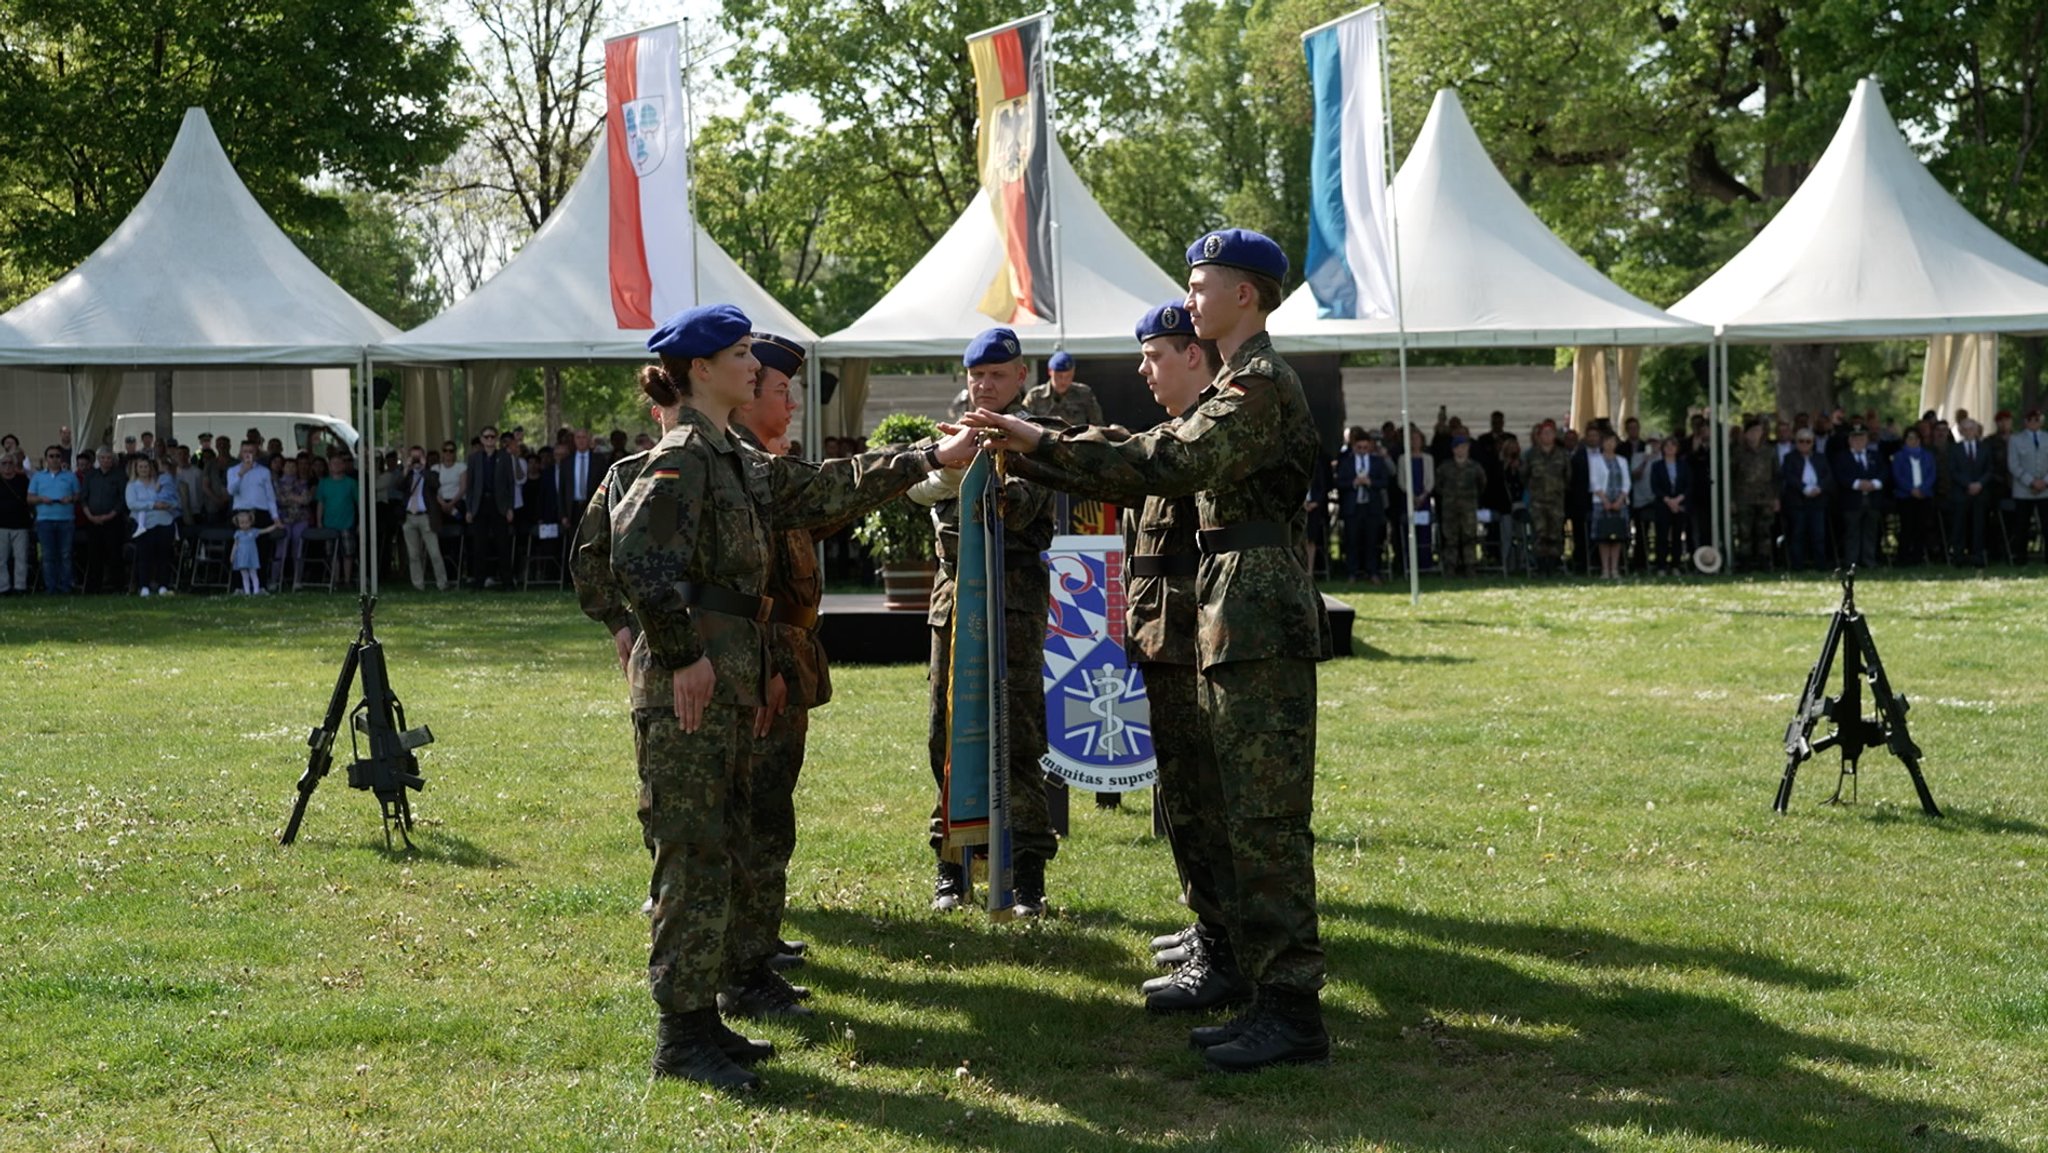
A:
(298, 430)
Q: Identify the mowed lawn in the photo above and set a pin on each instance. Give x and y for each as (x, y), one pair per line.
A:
(1559, 912)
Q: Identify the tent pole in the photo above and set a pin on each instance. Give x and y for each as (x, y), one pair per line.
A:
(366, 464)
(1727, 499)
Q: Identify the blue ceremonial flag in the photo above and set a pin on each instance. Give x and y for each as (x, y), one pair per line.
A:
(1350, 266)
(976, 805)
(1098, 720)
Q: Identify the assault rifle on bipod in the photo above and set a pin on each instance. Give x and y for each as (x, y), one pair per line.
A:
(378, 720)
(1849, 634)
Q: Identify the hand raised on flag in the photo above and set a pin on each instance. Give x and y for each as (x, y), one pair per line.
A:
(1008, 432)
(957, 448)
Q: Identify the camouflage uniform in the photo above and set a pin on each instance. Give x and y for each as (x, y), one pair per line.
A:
(698, 513)
(598, 591)
(797, 654)
(1246, 454)
(1458, 485)
(1078, 407)
(1548, 474)
(1027, 532)
(1756, 498)
(1159, 630)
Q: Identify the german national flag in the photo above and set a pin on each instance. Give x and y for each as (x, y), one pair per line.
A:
(1014, 150)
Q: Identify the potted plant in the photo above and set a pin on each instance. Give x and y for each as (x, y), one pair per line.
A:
(899, 534)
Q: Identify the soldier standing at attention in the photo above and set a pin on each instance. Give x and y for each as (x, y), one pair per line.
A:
(995, 377)
(1549, 472)
(689, 550)
(757, 947)
(1062, 396)
(1160, 627)
(1246, 454)
(1459, 481)
(1756, 496)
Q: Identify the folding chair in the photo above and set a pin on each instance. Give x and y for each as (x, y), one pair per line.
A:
(212, 554)
(544, 560)
(317, 560)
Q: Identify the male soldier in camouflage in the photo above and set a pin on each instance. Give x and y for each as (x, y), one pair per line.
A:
(1458, 484)
(690, 547)
(996, 374)
(1547, 470)
(1246, 454)
(1160, 628)
(755, 942)
(1060, 396)
(1755, 467)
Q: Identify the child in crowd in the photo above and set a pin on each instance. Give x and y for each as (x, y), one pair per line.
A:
(246, 559)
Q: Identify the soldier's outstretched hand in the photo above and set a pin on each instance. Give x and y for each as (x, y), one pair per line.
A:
(956, 448)
(1011, 432)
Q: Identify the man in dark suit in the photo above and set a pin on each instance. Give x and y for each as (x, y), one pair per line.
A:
(1860, 475)
(1363, 480)
(490, 511)
(1670, 500)
(575, 475)
(1804, 484)
(1578, 497)
(1969, 469)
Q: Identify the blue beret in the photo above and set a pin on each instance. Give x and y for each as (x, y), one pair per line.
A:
(700, 331)
(1459, 439)
(1169, 319)
(996, 346)
(1060, 362)
(780, 353)
(1239, 248)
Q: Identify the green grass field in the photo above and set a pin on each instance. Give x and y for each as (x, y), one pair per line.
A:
(1560, 914)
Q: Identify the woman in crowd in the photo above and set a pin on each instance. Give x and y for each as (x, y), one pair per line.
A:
(1608, 476)
(1913, 492)
(154, 505)
(295, 515)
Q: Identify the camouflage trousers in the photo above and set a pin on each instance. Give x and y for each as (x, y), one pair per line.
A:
(1261, 717)
(1755, 525)
(1030, 826)
(1191, 792)
(771, 840)
(693, 806)
(1458, 537)
(1546, 523)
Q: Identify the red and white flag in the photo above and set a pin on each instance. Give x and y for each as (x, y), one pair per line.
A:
(651, 230)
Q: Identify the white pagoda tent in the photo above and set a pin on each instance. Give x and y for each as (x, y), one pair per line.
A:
(1478, 268)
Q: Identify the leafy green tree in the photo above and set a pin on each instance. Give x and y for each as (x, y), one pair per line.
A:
(92, 93)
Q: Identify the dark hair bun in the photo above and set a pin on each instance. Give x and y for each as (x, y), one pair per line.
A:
(659, 386)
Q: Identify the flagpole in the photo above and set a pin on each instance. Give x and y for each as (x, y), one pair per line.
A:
(689, 160)
(1400, 312)
(1052, 184)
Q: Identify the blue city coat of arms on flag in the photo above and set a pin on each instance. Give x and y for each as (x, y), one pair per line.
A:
(1098, 723)
(646, 139)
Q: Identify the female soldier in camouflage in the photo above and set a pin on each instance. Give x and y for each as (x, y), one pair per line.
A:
(690, 552)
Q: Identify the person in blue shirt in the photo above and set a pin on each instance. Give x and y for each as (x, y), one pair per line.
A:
(54, 493)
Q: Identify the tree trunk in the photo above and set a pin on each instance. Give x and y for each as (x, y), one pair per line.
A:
(163, 403)
(2031, 355)
(551, 405)
(1805, 376)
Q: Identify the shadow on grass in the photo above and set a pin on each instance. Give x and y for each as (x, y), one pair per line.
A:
(1464, 1052)
(436, 846)
(1366, 652)
(1955, 821)
(966, 940)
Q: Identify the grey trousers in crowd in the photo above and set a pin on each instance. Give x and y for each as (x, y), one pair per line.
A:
(14, 560)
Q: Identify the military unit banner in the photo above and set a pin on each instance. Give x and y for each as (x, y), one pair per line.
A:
(1013, 151)
(1098, 723)
(976, 799)
(652, 233)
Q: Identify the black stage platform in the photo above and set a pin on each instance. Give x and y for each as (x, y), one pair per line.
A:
(857, 630)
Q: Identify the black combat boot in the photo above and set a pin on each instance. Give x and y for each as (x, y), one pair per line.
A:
(743, 1050)
(1210, 981)
(1029, 878)
(1286, 1028)
(1179, 949)
(1206, 1037)
(1174, 940)
(686, 1048)
(951, 887)
(764, 993)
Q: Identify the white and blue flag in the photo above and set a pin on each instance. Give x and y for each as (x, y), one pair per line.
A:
(1350, 266)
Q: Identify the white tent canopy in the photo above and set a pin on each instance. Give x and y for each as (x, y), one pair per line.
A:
(1478, 268)
(552, 302)
(1871, 246)
(1106, 283)
(198, 274)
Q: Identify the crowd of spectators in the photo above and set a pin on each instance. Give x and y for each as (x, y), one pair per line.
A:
(1808, 492)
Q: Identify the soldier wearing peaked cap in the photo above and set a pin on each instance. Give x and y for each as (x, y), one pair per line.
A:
(1246, 454)
(1062, 396)
(996, 376)
(690, 552)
